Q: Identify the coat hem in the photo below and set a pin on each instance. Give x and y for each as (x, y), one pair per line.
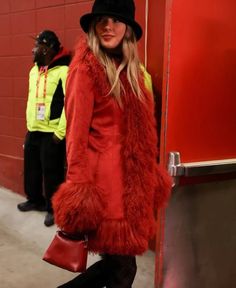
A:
(116, 236)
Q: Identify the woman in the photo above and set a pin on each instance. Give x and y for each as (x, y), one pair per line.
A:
(113, 181)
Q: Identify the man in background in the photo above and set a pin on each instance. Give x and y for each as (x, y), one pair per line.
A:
(44, 148)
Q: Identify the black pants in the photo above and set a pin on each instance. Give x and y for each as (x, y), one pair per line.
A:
(113, 271)
(44, 162)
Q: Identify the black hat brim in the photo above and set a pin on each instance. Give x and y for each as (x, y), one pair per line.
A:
(86, 20)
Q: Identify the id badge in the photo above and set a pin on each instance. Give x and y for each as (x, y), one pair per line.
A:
(40, 111)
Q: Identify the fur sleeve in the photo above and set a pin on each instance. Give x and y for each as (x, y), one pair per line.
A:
(78, 207)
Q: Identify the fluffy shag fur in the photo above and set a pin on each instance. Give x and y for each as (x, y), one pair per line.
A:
(78, 207)
(145, 181)
(117, 237)
(146, 185)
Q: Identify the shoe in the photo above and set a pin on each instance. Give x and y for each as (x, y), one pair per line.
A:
(49, 219)
(30, 206)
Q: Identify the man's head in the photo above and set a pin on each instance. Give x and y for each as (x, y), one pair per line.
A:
(47, 45)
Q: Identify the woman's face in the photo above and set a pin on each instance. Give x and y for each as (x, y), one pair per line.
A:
(110, 32)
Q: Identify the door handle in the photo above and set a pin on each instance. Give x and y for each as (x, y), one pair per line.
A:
(177, 168)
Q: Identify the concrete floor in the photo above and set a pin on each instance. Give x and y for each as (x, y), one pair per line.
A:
(23, 239)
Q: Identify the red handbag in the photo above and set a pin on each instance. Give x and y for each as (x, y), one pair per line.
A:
(68, 252)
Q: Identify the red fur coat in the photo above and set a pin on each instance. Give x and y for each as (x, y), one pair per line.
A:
(113, 181)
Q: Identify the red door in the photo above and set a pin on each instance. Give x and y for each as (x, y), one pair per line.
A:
(200, 80)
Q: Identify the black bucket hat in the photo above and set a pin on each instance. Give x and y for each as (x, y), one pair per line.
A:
(124, 10)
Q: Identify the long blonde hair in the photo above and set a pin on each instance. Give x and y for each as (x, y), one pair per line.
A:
(130, 59)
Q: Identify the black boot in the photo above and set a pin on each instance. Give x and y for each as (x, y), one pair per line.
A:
(49, 219)
(93, 277)
(31, 206)
(121, 271)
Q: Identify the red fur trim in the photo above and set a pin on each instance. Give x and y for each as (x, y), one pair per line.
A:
(143, 180)
(117, 237)
(78, 207)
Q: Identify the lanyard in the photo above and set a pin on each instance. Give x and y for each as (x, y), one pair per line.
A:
(43, 69)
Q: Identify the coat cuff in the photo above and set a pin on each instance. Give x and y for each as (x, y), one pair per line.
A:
(78, 207)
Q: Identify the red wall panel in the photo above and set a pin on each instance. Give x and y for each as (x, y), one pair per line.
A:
(21, 5)
(20, 88)
(5, 7)
(5, 25)
(6, 87)
(71, 37)
(50, 18)
(6, 107)
(20, 23)
(21, 45)
(19, 107)
(5, 47)
(6, 127)
(10, 146)
(48, 3)
(11, 170)
(24, 63)
(201, 80)
(76, 1)
(18, 127)
(7, 68)
(12, 127)
(74, 12)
